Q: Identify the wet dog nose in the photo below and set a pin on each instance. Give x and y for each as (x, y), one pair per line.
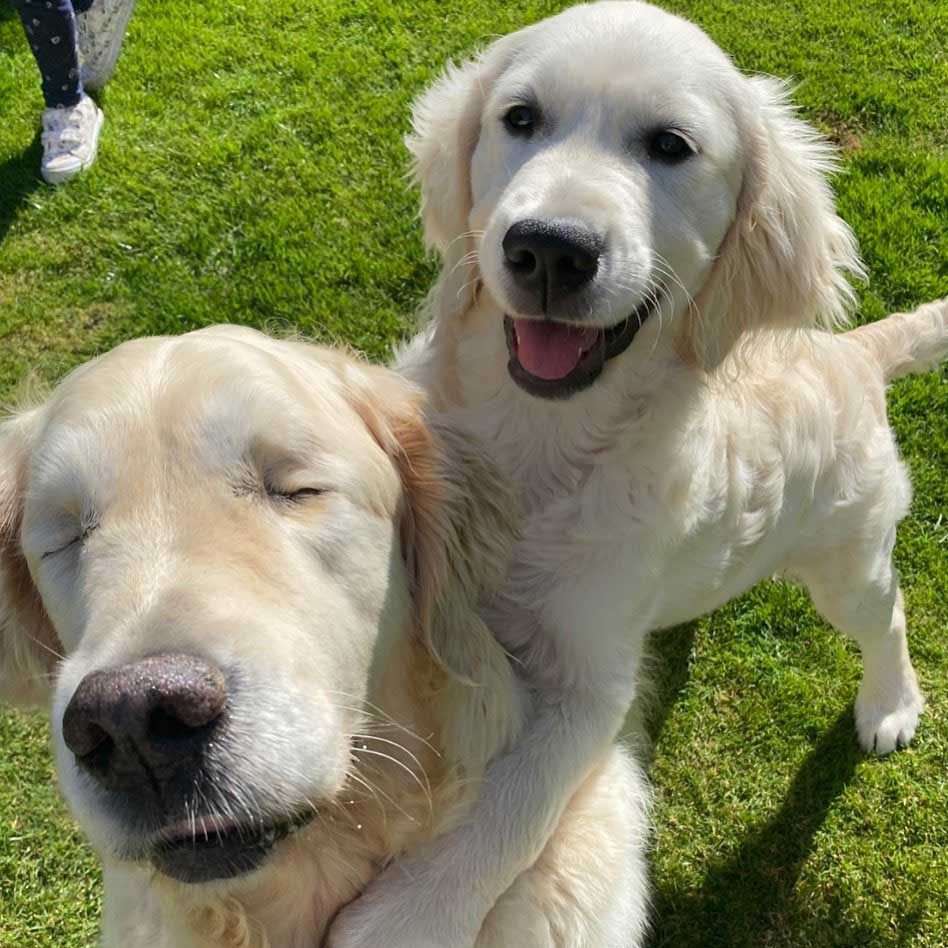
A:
(145, 725)
(549, 259)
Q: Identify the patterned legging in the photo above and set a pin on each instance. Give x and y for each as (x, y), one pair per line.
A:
(51, 29)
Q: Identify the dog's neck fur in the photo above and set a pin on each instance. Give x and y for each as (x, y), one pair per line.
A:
(466, 368)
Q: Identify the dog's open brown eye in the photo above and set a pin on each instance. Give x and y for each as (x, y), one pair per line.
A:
(669, 146)
(521, 119)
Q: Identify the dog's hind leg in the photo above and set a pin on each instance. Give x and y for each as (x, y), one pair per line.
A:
(857, 591)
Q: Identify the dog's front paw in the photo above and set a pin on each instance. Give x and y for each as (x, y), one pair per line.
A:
(361, 927)
(401, 911)
(888, 725)
(358, 936)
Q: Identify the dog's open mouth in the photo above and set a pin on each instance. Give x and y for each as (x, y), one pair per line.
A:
(211, 849)
(551, 359)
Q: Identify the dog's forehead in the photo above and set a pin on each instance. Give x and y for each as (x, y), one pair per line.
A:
(612, 26)
(619, 51)
(208, 398)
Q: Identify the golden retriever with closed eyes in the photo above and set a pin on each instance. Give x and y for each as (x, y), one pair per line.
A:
(231, 562)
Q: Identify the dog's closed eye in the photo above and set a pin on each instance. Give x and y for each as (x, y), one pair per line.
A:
(281, 479)
(294, 495)
(75, 541)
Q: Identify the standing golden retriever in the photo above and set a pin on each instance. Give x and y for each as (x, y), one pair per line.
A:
(641, 260)
(229, 559)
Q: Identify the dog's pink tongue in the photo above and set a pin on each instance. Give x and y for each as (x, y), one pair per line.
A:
(551, 350)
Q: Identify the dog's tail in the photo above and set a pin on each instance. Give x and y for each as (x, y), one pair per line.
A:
(907, 342)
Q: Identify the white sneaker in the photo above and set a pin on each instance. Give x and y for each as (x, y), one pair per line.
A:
(70, 140)
(101, 32)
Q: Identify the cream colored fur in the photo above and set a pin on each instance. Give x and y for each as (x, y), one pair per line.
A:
(734, 439)
(327, 610)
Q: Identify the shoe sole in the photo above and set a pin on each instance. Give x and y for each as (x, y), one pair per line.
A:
(60, 177)
(99, 77)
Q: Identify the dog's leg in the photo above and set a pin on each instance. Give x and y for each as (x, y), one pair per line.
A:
(860, 596)
(439, 895)
(589, 888)
(579, 651)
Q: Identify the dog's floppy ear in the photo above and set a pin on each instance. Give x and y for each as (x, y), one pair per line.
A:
(446, 126)
(457, 517)
(457, 529)
(28, 643)
(785, 259)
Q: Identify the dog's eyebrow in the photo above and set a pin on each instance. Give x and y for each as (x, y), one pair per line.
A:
(70, 457)
(685, 129)
(521, 95)
(267, 454)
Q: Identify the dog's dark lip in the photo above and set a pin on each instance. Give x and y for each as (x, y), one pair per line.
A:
(611, 342)
(214, 850)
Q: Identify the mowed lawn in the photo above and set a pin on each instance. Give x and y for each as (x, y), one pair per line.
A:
(251, 170)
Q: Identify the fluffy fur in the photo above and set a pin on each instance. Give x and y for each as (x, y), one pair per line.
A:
(735, 438)
(134, 522)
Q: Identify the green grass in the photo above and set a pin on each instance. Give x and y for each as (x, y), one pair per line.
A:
(252, 171)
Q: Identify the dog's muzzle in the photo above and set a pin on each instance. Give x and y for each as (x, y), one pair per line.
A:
(552, 359)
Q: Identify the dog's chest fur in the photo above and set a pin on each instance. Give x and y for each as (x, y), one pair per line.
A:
(619, 486)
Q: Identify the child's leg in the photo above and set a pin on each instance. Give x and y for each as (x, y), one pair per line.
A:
(102, 25)
(72, 121)
(51, 29)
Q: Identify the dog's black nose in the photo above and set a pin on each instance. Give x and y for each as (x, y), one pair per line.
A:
(146, 726)
(550, 259)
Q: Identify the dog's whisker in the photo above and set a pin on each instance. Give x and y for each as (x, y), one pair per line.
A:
(374, 793)
(404, 750)
(657, 305)
(465, 285)
(467, 261)
(387, 719)
(668, 270)
(382, 793)
(425, 789)
(47, 648)
(466, 235)
(354, 775)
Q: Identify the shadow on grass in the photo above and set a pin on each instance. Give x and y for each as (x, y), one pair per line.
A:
(745, 900)
(19, 178)
(667, 674)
